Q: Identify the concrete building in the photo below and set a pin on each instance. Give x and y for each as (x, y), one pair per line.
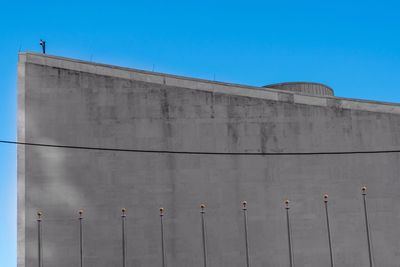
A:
(68, 102)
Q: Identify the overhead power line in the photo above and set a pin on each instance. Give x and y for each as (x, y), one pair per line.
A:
(203, 152)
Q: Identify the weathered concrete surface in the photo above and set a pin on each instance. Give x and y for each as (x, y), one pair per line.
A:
(69, 102)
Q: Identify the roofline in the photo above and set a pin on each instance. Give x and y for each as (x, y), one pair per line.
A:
(207, 85)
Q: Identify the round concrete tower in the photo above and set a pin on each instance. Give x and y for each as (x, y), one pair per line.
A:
(303, 87)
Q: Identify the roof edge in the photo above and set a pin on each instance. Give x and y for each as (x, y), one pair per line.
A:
(208, 85)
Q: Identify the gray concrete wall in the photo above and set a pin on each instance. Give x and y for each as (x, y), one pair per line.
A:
(67, 102)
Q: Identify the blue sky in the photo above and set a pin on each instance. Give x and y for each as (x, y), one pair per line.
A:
(353, 46)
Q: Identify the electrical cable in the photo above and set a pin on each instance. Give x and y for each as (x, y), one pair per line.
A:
(203, 152)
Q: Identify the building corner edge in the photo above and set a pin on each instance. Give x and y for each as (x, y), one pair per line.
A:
(21, 78)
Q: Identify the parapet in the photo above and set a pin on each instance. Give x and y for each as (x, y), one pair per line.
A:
(305, 93)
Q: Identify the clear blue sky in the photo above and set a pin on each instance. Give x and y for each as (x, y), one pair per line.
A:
(353, 46)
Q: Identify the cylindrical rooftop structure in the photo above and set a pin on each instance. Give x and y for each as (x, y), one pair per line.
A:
(303, 87)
